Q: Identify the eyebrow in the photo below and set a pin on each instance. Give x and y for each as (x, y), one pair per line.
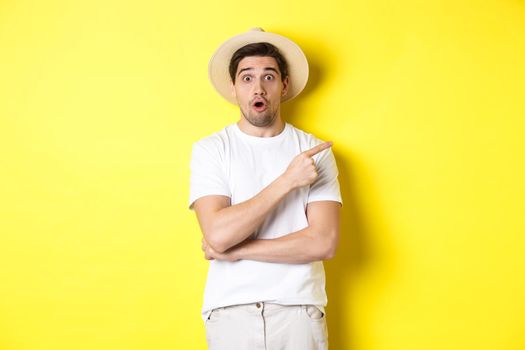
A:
(266, 68)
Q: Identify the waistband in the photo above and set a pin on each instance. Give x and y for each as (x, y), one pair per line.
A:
(258, 307)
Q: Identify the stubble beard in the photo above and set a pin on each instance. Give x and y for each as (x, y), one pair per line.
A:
(260, 120)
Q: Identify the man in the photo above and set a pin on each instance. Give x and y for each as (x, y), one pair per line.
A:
(267, 200)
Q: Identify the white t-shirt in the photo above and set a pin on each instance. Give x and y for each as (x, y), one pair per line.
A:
(235, 164)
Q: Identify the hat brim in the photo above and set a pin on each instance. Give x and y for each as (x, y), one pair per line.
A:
(218, 67)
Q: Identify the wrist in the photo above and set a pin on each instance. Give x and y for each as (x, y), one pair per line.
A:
(237, 253)
(242, 251)
(284, 183)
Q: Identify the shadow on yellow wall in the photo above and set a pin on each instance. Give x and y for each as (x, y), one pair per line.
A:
(354, 251)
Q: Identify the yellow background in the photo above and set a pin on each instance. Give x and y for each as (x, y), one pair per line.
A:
(101, 100)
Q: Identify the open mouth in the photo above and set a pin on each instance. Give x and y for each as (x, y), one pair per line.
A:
(259, 106)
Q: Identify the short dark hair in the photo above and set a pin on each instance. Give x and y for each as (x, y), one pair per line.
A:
(262, 49)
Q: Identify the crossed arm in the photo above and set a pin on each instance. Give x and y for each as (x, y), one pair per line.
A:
(318, 241)
(226, 228)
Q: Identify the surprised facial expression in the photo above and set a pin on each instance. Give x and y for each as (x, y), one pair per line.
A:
(258, 89)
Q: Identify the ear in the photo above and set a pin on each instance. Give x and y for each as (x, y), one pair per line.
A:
(285, 86)
(232, 88)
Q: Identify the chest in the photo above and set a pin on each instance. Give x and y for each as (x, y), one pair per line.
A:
(251, 169)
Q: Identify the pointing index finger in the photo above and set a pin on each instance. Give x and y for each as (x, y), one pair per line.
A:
(314, 150)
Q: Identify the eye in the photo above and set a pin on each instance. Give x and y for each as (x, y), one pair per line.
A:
(268, 77)
(246, 78)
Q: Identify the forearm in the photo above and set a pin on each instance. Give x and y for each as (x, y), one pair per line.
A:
(234, 224)
(224, 225)
(299, 247)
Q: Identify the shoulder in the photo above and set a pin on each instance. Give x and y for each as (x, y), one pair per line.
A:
(304, 137)
(216, 142)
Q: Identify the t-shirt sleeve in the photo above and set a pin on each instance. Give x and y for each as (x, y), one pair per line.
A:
(326, 187)
(207, 176)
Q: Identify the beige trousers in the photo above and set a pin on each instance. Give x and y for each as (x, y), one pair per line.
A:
(266, 326)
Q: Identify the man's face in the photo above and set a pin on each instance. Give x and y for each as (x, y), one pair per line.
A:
(258, 89)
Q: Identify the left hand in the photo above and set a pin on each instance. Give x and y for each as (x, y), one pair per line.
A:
(211, 254)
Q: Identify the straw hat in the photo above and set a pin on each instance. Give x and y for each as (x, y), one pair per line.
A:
(218, 67)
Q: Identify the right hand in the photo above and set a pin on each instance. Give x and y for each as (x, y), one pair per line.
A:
(302, 171)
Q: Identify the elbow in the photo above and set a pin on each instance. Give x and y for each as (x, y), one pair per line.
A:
(330, 254)
(329, 246)
(215, 242)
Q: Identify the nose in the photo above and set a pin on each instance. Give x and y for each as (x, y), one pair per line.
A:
(258, 88)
